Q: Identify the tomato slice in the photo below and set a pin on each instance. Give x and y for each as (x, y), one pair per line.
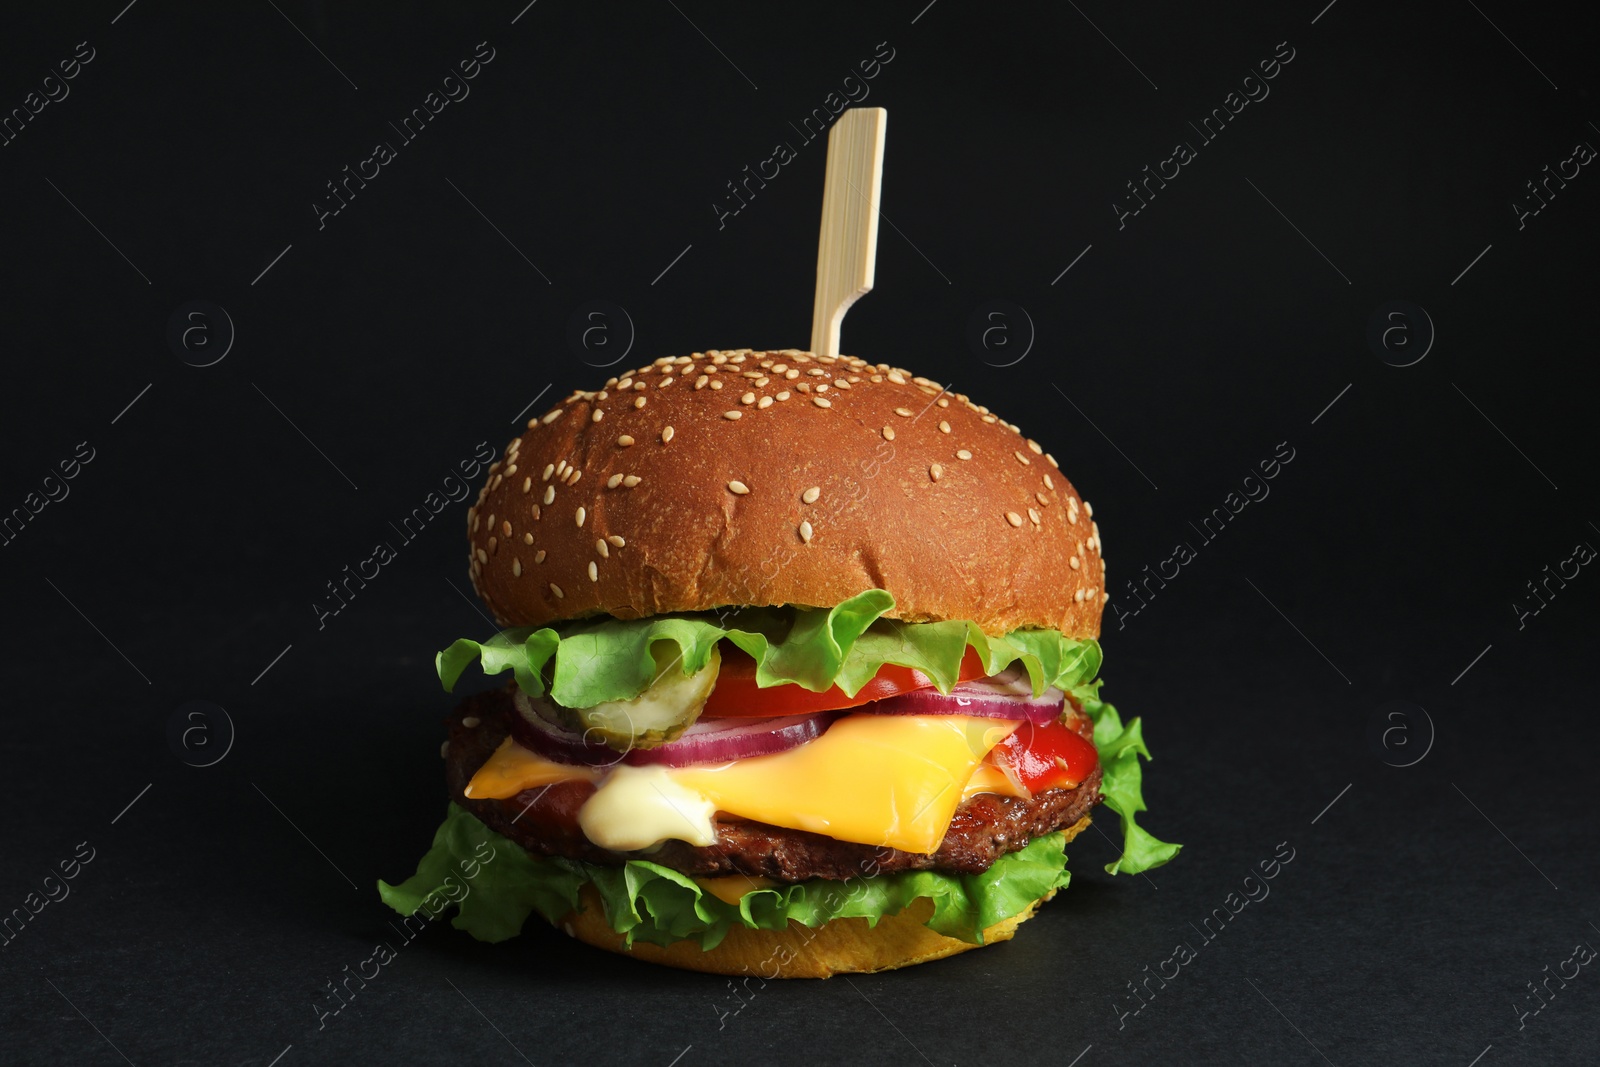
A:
(738, 696)
(1051, 756)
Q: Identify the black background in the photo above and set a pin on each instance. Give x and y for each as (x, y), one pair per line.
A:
(1199, 336)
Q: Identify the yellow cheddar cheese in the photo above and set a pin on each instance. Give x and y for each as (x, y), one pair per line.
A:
(892, 780)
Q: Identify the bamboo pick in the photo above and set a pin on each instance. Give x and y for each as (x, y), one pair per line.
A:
(847, 249)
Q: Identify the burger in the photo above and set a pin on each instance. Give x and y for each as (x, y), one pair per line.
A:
(803, 675)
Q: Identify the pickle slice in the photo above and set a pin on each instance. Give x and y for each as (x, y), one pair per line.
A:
(659, 714)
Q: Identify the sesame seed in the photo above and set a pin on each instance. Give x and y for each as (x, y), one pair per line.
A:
(1048, 482)
(896, 378)
(1078, 596)
(1033, 446)
(1013, 518)
(598, 415)
(527, 483)
(748, 398)
(1052, 460)
(536, 511)
(667, 434)
(1043, 500)
(822, 402)
(784, 395)
(631, 480)
(538, 557)
(601, 547)
(888, 433)
(556, 589)
(549, 494)
(1033, 513)
(963, 454)
(527, 538)
(943, 401)
(554, 415)
(505, 527)
(665, 382)
(624, 383)
(791, 374)
(495, 482)
(810, 495)
(444, 749)
(805, 531)
(491, 521)
(616, 541)
(715, 384)
(904, 413)
(733, 415)
(1072, 561)
(763, 380)
(1088, 509)
(550, 468)
(840, 383)
(594, 571)
(613, 481)
(823, 387)
(580, 515)
(991, 419)
(470, 721)
(702, 381)
(935, 471)
(638, 401)
(1022, 459)
(764, 402)
(573, 475)
(625, 441)
(512, 469)
(944, 427)
(738, 488)
(516, 568)
(483, 557)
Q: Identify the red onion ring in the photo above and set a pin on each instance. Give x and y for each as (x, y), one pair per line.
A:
(1007, 695)
(705, 741)
(722, 740)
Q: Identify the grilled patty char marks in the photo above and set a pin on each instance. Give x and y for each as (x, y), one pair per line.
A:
(544, 820)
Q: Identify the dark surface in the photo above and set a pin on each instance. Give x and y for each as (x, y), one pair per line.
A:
(1416, 909)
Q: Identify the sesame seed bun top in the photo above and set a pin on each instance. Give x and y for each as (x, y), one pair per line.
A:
(769, 478)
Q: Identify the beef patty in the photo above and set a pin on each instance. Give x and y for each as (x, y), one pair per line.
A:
(544, 820)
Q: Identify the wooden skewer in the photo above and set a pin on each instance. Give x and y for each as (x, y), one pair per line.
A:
(847, 250)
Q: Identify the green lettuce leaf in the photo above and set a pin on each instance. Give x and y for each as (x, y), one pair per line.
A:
(1121, 781)
(648, 902)
(589, 663)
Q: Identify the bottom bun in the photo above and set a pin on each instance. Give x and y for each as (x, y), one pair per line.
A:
(842, 946)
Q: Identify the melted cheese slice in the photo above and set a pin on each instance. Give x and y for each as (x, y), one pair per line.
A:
(892, 780)
(513, 768)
